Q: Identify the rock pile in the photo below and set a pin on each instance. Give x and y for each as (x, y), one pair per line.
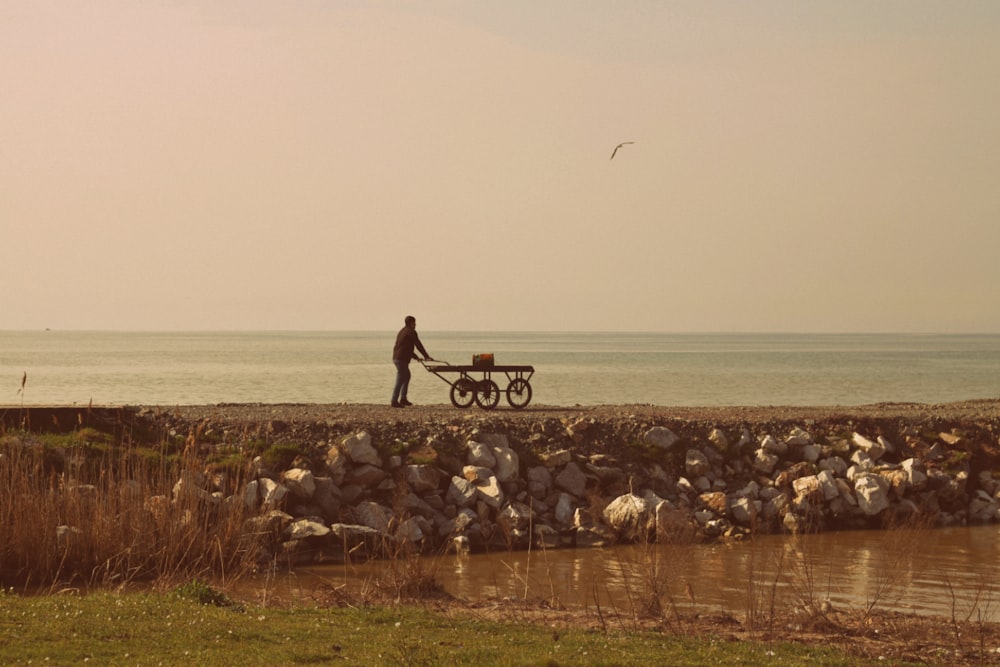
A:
(478, 489)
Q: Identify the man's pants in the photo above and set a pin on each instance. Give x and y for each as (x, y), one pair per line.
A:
(402, 380)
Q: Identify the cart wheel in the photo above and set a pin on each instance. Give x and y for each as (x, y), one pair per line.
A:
(519, 393)
(487, 394)
(463, 393)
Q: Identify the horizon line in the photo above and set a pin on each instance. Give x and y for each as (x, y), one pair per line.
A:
(707, 332)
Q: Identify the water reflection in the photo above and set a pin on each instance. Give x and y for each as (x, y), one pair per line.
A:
(947, 572)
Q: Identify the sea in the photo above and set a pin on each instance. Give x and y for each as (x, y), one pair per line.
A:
(570, 369)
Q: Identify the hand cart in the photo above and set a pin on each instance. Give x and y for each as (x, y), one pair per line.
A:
(484, 392)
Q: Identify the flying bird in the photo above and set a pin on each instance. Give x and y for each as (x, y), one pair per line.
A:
(619, 146)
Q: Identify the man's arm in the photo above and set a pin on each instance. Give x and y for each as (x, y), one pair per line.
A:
(419, 346)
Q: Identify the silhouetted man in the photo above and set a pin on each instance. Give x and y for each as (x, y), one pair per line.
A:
(402, 353)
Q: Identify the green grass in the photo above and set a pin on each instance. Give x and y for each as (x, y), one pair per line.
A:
(173, 629)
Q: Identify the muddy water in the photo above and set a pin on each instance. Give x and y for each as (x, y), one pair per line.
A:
(947, 572)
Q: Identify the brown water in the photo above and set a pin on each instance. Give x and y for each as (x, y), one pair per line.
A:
(947, 572)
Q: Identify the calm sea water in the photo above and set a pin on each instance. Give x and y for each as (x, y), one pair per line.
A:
(570, 368)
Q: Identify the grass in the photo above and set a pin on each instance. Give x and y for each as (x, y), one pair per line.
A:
(82, 512)
(166, 629)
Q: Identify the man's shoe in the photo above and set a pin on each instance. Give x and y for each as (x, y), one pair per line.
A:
(396, 405)
(405, 404)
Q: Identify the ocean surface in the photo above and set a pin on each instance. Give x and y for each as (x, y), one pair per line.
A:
(131, 368)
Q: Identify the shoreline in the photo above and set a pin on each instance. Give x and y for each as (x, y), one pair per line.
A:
(440, 477)
(969, 408)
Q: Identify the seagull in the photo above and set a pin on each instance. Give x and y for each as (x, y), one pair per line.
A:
(619, 146)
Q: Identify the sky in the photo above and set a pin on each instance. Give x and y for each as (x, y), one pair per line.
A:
(322, 165)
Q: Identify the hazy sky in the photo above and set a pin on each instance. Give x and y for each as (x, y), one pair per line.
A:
(313, 164)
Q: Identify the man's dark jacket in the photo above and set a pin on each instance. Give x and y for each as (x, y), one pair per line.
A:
(406, 340)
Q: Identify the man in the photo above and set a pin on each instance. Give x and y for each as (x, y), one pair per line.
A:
(402, 353)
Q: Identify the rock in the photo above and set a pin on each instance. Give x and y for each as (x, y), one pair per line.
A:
(685, 487)
(305, 528)
(806, 486)
(336, 464)
(539, 481)
(772, 445)
(556, 459)
(745, 510)
(351, 493)
(490, 492)
(577, 429)
(299, 482)
(507, 463)
(672, 524)
(251, 495)
(898, 481)
(872, 493)
(326, 496)
(836, 465)
(935, 452)
(457, 524)
(572, 480)
(828, 485)
(359, 449)
(773, 507)
(545, 537)
(267, 525)
(798, 438)
(515, 516)
(271, 493)
(421, 478)
(564, 511)
(660, 436)
(716, 502)
(629, 516)
(477, 474)
(704, 517)
(862, 460)
(373, 515)
(983, 508)
(366, 476)
(874, 450)
(950, 438)
(718, 439)
(187, 488)
(481, 455)
(765, 461)
(751, 490)
(351, 536)
(746, 439)
(696, 463)
(811, 453)
(413, 504)
(461, 492)
(409, 531)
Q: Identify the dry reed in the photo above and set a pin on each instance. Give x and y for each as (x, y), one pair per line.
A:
(85, 513)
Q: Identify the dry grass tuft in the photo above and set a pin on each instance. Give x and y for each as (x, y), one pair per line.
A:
(82, 512)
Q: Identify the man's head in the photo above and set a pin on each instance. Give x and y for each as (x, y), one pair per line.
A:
(411, 321)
